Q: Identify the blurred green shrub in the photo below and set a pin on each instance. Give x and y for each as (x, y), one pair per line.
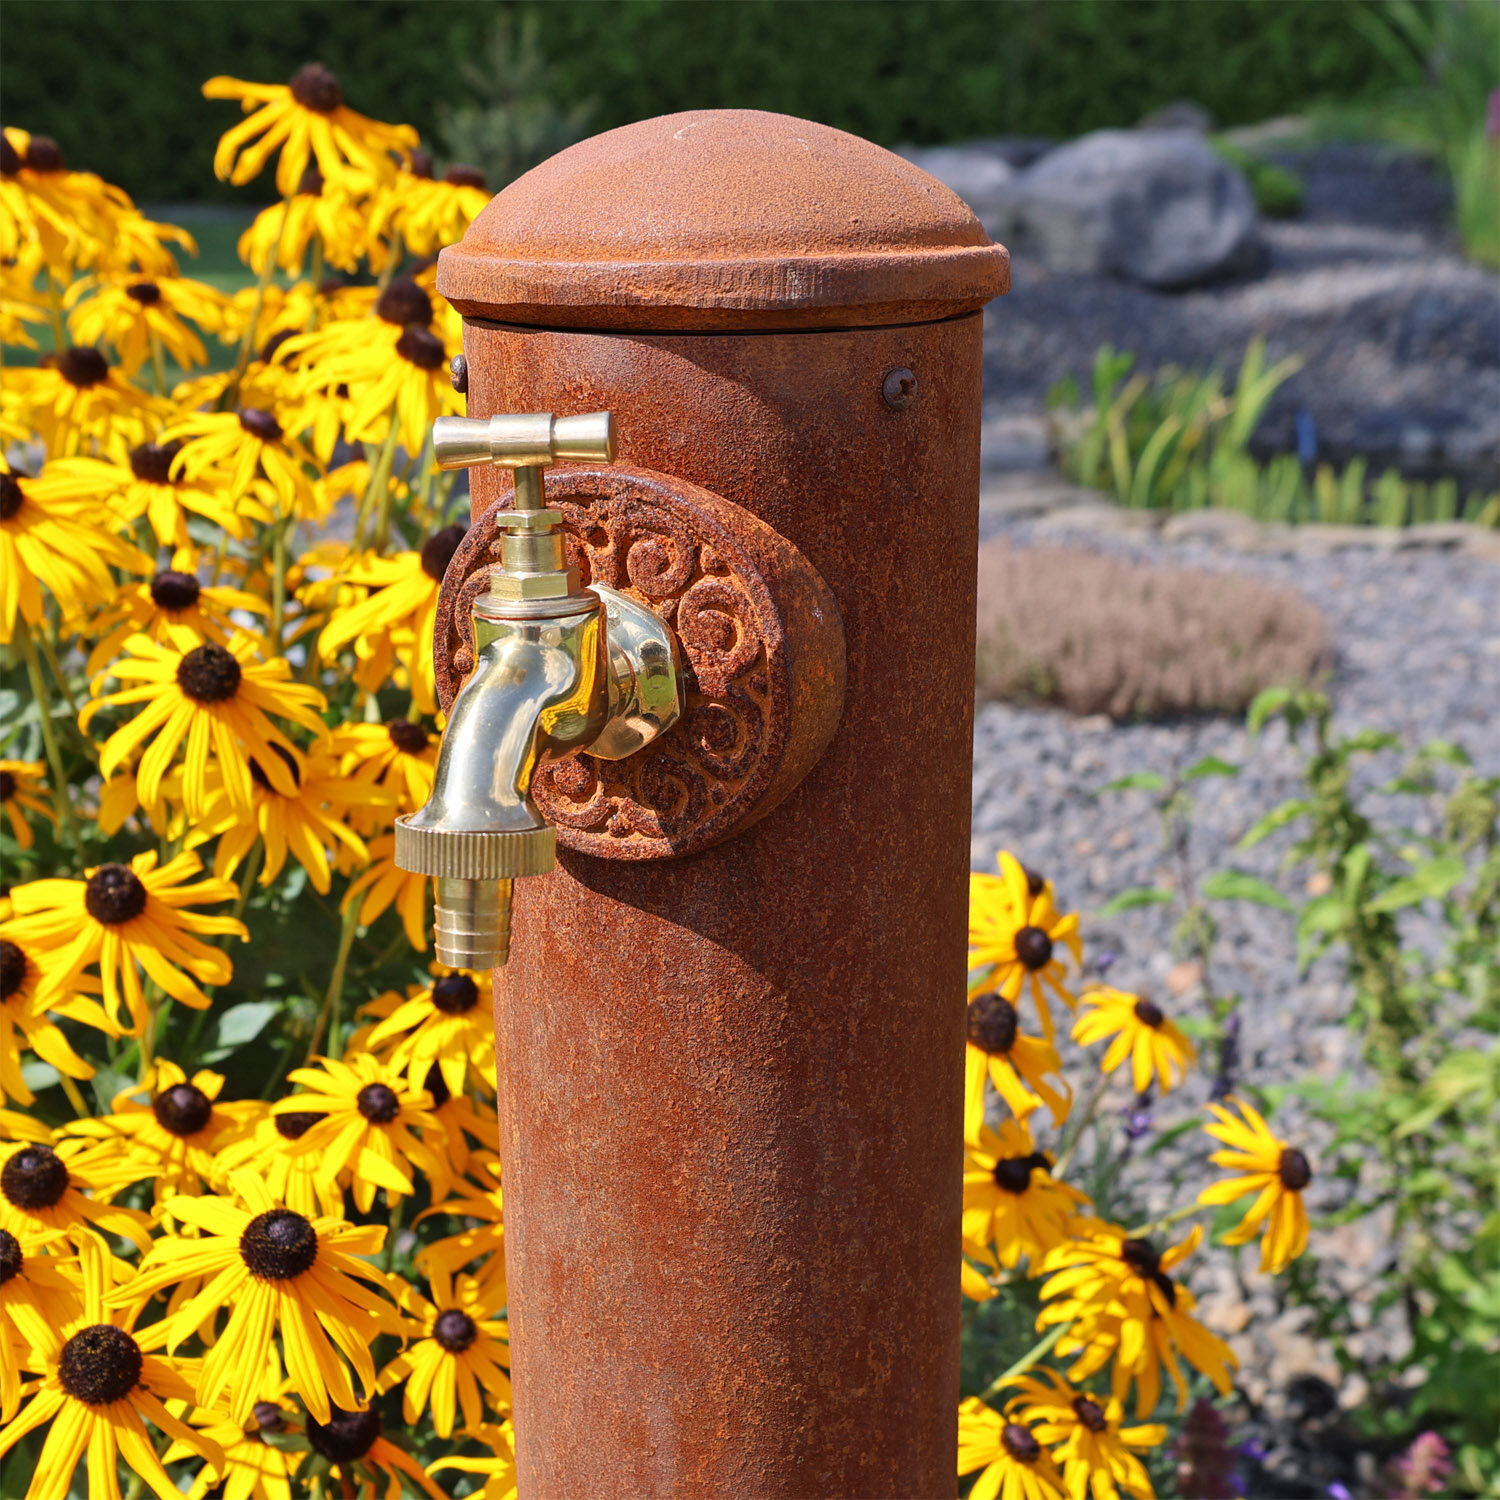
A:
(1278, 190)
(1181, 441)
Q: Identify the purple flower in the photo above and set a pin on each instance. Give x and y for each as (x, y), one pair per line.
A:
(1337, 1491)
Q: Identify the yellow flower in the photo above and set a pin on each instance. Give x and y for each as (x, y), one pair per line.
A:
(479, 1197)
(446, 1024)
(1085, 1437)
(76, 401)
(1116, 1293)
(20, 782)
(175, 1132)
(291, 1177)
(1015, 1465)
(21, 1011)
(20, 302)
(128, 311)
(460, 1119)
(254, 1469)
(366, 1136)
(352, 1442)
(310, 823)
(100, 1387)
(272, 1269)
(48, 212)
(307, 119)
(1272, 1169)
(463, 1352)
(498, 1465)
(286, 229)
(215, 698)
(1141, 1032)
(400, 755)
(36, 1294)
(426, 212)
(121, 917)
(52, 538)
(42, 1190)
(385, 885)
(401, 605)
(236, 447)
(1011, 1199)
(995, 1048)
(1014, 933)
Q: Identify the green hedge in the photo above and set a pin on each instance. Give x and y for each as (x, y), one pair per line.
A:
(116, 81)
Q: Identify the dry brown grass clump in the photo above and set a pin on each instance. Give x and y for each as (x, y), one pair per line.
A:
(1099, 634)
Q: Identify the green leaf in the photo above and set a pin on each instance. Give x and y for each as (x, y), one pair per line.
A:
(1278, 817)
(1146, 781)
(1140, 895)
(1210, 765)
(38, 1075)
(105, 1084)
(1430, 881)
(1266, 703)
(243, 1023)
(1235, 885)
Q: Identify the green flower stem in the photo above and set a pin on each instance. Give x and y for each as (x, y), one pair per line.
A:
(58, 675)
(75, 1097)
(1145, 1231)
(328, 1015)
(148, 1031)
(49, 732)
(391, 1233)
(380, 480)
(1080, 1122)
(158, 366)
(242, 359)
(1033, 1355)
(278, 581)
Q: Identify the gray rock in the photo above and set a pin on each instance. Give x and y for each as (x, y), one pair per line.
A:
(1180, 114)
(1156, 207)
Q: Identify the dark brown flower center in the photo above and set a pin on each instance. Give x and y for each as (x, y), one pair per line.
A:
(310, 183)
(12, 496)
(454, 1330)
(1013, 1173)
(43, 154)
(259, 423)
(258, 771)
(82, 366)
(209, 674)
(409, 738)
(184, 1109)
(1019, 1442)
(268, 1417)
(99, 1365)
(174, 591)
(403, 302)
(437, 1086)
(14, 967)
(455, 994)
(347, 1435)
(314, 87)
(272, 344)
(421, 347)
(34, 1178)
(421, 163)
(10, 1256)
(278, 1245)
(1033, 948)
(114, 894)
(438, 550)
(10, 158)
(1035, 883)
(461, 175)
(147, 293)
(295, 1123)
(1149, 1013)
(378, 1103)
(1294, 1170)
(7, 786)
(152, 462)
(992, 1024)
(1141, 1256)
(1090, 1413)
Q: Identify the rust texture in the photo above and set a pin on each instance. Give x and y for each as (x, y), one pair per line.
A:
(730, 1082)
(723, 219)
(762, 639)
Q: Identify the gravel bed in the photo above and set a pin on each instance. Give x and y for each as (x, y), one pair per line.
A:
(1417, 639)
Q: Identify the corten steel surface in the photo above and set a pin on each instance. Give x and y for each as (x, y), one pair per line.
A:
(760, 632)
(730, 1082)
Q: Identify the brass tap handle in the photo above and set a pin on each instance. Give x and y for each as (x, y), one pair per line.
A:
(523, 440)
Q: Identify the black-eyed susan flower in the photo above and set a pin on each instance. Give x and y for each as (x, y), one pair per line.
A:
(273, 1270)
(460, 1120)
(54, 540)
(63, 216)
(43, 1190)
(135, 314)
(290, 1176)
(76, 401)
(476, 1196)
(446, 1024)
(428, 212)
(463, 1353)
(101, 1386)
(282, 233)
(21, 782)
(1142, 1033)
(400, 755)
(26, 1022)
(125, 918)
(237, 447)
(35, 1294)
(1274, 1170)
(216, 700)
(1013, 1464)
(366, 1138)
(1122, 1303)
(1097, 1455)
(996, 1049)
(384, 885)
(276, 309)
(310, 824)
(21, 306)
(1015, 937)
(498, 1465)
(352, 1443)
(256, 1465)
(1011, 1199)
(171, 1124)
(305, 120)
(391, 361)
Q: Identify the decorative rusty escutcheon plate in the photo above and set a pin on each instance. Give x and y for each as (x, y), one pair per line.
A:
(761, 639)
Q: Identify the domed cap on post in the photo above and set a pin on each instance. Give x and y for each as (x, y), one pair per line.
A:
(723, 219)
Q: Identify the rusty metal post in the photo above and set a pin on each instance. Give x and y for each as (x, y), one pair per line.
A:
(730, 1060)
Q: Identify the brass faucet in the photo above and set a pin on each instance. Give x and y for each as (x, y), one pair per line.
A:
(558, 669)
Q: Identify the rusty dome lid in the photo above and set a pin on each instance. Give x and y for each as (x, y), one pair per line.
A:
(723, 219)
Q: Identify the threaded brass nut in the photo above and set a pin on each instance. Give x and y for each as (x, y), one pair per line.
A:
(474, 856)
